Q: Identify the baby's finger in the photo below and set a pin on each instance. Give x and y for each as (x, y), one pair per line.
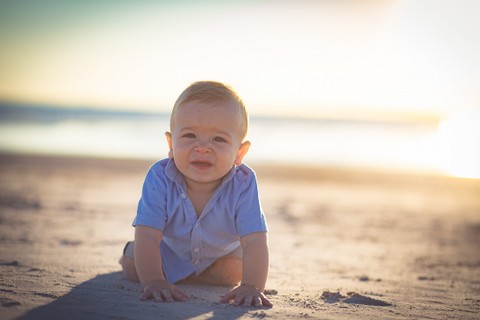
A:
(238, 300)
(257, 302)
(248, 300)
(265, 301)
(145, 295)
(157, 296)
(179, 295)
(166, 295)
(227, 297)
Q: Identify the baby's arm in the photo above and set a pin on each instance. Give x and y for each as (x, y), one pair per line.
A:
(148, 263)
(255, 272)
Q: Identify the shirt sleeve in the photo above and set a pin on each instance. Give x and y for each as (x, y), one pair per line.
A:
(249, 214)
(151, 210)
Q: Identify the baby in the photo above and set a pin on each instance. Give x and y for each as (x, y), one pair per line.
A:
(199, 218)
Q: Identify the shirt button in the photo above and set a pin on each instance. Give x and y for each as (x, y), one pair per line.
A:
(196, 261)
(196, 250)
(184, 196)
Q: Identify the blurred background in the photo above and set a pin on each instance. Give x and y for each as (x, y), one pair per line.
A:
(374, 84)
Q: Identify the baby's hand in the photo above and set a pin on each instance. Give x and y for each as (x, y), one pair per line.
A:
(162, 291)
(247, 295)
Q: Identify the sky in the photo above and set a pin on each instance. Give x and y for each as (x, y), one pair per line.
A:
(344, 58)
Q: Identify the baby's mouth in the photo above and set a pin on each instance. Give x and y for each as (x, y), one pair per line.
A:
(202, 164)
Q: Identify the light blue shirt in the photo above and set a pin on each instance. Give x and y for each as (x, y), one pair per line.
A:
(191, 244)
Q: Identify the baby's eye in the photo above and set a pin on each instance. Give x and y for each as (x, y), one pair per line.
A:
(188, 135)
(219, 139)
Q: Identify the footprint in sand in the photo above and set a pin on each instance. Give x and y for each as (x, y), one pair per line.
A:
(7, 303)
(352, 298)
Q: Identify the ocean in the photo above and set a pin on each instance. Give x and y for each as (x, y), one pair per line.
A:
(405, 146)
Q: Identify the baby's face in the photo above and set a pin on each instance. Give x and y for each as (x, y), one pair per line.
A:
(206, 140)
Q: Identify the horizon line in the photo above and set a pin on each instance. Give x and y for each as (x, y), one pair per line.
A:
(366, 115)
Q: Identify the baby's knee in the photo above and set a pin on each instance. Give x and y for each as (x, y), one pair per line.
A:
(128, 268)
(226, 271)
(233, 271)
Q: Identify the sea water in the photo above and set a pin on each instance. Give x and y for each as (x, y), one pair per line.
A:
(342, 143)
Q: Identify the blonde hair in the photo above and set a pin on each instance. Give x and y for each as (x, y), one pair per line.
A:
(211, 91)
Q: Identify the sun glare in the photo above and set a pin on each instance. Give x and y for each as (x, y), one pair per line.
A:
(459, 138)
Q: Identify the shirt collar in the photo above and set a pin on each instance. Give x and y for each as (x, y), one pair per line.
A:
(172, 172)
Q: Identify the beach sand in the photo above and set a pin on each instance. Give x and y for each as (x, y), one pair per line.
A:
(345, 244)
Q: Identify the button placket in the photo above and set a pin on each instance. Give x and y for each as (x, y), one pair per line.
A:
(195, 243)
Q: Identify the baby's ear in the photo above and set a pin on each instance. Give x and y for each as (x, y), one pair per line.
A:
(242, 151)
(168, 135)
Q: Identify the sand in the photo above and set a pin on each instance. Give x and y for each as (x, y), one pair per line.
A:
(345, 244)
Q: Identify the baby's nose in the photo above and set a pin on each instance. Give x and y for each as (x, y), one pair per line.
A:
(202, 149)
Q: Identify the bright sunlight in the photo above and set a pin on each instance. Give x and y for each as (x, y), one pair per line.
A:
(460, 144)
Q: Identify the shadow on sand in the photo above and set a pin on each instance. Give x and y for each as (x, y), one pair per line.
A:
(107, 296)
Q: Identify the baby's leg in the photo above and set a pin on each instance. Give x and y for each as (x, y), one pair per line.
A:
(226, 271)
(128, 264)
